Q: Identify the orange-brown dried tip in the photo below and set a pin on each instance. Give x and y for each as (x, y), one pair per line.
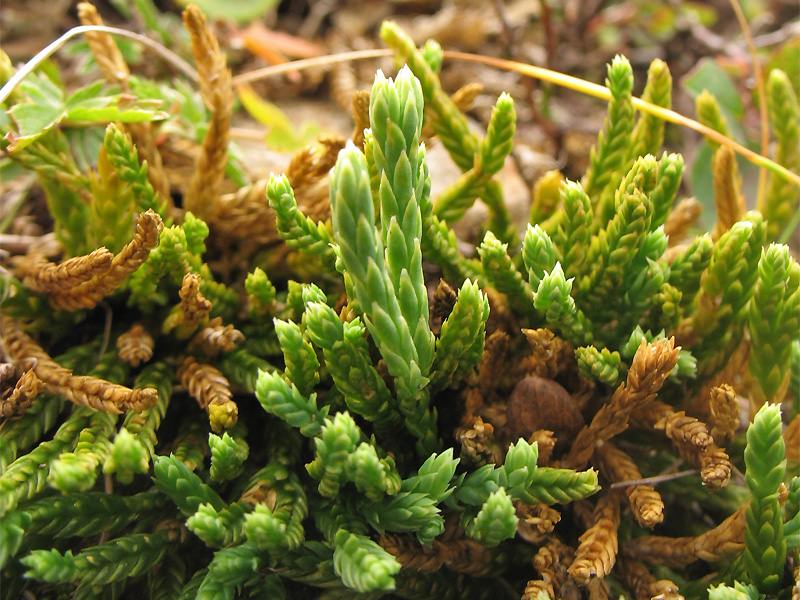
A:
(597, 551)
(86, 295)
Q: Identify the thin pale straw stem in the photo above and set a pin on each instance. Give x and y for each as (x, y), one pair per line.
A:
(51, 48)
(308, 63)
(762, 95)
(599, 91)
(652, 480)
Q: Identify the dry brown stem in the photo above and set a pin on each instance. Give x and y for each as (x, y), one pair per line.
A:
(651, 365)
(549, 354)
(638, 579)
(135, 346)
(194, 306)
(598, 589)
(84, 390)
(453, 550)
(444, 299)
(724, 409)
(692, 440)
(246, 215)
(217, 92)
(727, 539)
(597, 551)
(727, 195)
(476, 442)
(491, 367)
(216, 337)
(41, 275)
(546, 441)
(21, 397)
(536, 520)
(617, 466)
(360, 116)
(103, 47)
(551, 561)
(212, 391)
(130, 258)
(682, 219)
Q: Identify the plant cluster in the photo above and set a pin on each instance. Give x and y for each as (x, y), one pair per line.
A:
(380, 413)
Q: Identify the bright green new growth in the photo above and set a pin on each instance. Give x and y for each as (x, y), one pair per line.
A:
(608, 157)
(781, 199)
(774, 319)
(603, 365)
(77, 470)
(122, 154)
(299, 231)
(765, 547)
(227, 456)
(710, 114)
(277, 529)
(538, 254)
(501, 272)
(299, 356)
(347, 359)
(496, 521)
(282, 399)
(726, 289)
(461, 339)
(396, 120)
(648, 133)
(184, 487)
(118, 559)
(389, 285)
(574, 228)
(362, 564)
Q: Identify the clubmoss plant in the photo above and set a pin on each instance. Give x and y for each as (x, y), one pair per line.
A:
(183, 418)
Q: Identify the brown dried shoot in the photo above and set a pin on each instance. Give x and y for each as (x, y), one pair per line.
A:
(194, 306)
(360, 117)
(453, 550)
(724, 409)
(444, 299)
(727, 539)
(84, 390)
(535, 520)
(476, 442)
(307, 173)
(135, 346)
(551, 561)
(212, 391)
(130, 258)
(617, 466)
(246, 215)
(651, 365)
(692, 440)
(682, 219)
(216, 89)
(491, 367)
(549, 354)
(115, 70)
(727, 191)
(216, 337)
(39, 274)
(597, 551)
(21, 397)
(103, 47)
(638, 579)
